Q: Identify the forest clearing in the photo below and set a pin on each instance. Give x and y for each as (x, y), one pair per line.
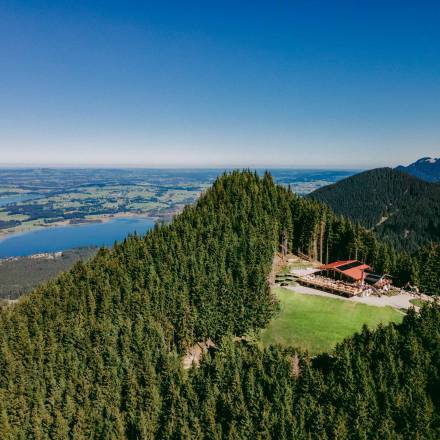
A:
(318, 323)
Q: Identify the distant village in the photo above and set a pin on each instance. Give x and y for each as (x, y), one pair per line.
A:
(39, 256)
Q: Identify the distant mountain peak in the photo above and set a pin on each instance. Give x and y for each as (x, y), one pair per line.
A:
(426, 168)
(427, 160)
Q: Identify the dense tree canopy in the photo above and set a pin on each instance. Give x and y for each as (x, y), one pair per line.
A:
(97, 353)
(400, 208)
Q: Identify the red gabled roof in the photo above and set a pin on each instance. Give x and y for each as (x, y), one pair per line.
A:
(356, 273)
(336, 264)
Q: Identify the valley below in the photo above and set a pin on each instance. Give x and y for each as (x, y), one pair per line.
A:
(32, 199)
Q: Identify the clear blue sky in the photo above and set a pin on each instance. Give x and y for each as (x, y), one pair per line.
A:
(302, 84)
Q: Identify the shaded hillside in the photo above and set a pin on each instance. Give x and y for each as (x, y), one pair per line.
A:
(397, 206)
(22, 274)
(97, 354)
(427, 168)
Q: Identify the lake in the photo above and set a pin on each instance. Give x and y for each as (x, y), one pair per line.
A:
(59, 238)
(6, 200)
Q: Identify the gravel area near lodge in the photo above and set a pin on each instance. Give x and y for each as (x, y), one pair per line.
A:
(398, 301)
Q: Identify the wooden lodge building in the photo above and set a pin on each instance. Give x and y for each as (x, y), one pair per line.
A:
(347, 278)
(354, 271)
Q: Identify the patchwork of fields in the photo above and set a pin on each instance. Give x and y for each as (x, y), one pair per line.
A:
(32, 199)
(36, 198)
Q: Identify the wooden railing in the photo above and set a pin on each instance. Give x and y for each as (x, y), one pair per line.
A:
(329, 286)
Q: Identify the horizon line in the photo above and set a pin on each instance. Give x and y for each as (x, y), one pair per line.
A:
(187, 167)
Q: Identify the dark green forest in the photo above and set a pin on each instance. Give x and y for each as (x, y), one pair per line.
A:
(21, 275)
(97, 353)
(400, 208)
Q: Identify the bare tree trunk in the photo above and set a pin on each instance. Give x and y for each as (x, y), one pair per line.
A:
(321, 242)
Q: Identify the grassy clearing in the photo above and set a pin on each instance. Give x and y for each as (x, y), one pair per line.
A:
(318, 323)
(417, 302)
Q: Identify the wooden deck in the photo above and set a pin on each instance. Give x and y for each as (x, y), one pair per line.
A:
(332, 287)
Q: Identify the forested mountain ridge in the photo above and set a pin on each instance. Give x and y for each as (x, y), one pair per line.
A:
(96, 354)
(399, 207)
(427, 168)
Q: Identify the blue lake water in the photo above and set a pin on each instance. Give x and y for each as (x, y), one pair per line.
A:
(60, 238)
(6, 200)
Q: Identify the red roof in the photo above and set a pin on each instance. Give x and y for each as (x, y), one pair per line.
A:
(336, 264)
(356, 271)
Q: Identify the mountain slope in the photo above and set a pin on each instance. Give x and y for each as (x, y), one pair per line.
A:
(97, 353)
(400, 207)
(427, 169)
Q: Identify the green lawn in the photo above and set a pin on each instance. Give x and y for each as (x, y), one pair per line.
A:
(417, 302)
(318, 323)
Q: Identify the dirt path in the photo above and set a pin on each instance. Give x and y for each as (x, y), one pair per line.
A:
(398, 301)
(194, 353)
(401, 301)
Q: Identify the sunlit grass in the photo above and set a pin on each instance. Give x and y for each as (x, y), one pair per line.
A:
(318, 323)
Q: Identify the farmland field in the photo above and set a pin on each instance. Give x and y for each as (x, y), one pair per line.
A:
(40, 198)
(318, 323)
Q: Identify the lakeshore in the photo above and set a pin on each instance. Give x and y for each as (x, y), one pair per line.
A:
(39, 224)
(68, 236)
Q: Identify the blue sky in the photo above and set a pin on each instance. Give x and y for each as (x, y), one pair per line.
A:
(292, 84)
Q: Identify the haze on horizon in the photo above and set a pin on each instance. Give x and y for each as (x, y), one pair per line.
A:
(191, 84)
